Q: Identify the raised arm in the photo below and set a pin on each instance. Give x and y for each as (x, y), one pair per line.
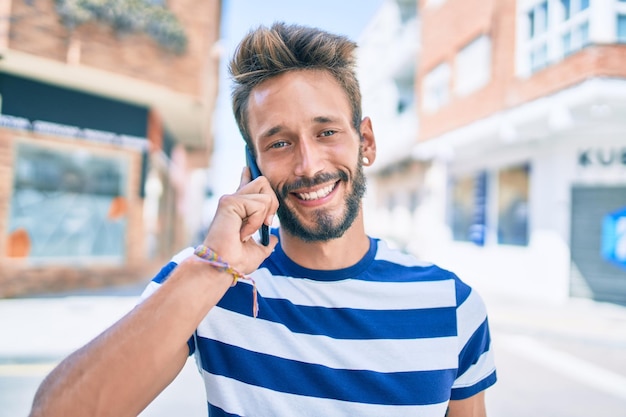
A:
(122, 370)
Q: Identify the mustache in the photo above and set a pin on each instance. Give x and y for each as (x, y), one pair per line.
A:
(306, 182)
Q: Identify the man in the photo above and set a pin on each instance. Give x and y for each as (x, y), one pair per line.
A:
(345, 327)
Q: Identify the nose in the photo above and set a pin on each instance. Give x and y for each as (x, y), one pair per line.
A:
(309, 159)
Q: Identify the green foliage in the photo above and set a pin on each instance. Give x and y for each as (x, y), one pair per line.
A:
(127, 16)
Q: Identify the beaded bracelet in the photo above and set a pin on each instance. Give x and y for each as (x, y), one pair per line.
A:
(212, 258)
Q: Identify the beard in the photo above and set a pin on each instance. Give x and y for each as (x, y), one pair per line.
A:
(325, 226)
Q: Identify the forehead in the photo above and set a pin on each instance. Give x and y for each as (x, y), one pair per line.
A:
(294, 98)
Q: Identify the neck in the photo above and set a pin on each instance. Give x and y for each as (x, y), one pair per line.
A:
(337, 253)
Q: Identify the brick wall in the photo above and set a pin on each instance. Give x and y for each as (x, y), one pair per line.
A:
(36, 29)
(6, 181)
(449, 27)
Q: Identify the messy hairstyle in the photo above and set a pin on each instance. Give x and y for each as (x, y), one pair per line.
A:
(267, 52)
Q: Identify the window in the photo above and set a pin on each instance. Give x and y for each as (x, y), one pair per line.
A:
(67, 204)
(551, 30)
(474, 209)
(462, 206)
(414, 201)
(473, 66)
(575, 30)
(620, 21)
(621, 28)
(538, 39)
(469, 198)
(437, 87)
(406, 94)
(513, 205)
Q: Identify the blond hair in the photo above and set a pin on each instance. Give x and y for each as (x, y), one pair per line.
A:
(267, 52)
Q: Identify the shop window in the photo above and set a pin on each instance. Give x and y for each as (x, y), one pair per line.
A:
(513, 185)
(469, 198)
(67, 204)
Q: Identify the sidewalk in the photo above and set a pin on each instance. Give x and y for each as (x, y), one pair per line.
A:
(48, 327)
(575, 319)
(37, 332)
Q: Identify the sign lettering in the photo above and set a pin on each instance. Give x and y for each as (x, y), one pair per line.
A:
(602, 157)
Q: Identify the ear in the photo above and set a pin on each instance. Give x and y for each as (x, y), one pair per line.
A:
(368, 142)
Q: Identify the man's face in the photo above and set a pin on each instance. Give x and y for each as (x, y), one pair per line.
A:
(301, 125)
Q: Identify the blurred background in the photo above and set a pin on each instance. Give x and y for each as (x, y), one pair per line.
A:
(501, 134)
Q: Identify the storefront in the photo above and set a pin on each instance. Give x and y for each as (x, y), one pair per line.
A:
(73, 168)
(535, 199)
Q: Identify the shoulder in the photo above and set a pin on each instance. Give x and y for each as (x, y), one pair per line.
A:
(386, 253)
(166, 271)
(397, 264)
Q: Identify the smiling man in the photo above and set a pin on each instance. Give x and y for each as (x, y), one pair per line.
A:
(310, 154)
(325, 320)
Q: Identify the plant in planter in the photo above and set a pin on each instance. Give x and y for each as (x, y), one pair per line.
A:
(126, 16)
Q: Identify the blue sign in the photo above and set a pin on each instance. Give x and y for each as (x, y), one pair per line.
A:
(614, 237)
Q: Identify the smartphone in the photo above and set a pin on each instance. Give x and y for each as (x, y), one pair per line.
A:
(255, 172)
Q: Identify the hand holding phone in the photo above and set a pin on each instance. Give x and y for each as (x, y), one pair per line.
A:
(255, 172)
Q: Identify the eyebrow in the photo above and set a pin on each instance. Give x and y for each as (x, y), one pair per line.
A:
(323, 119)
(277, 129)
(273, 131)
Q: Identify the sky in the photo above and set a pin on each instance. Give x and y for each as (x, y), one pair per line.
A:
(345, 17)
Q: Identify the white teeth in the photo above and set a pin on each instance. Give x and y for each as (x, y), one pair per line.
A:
(321, 193)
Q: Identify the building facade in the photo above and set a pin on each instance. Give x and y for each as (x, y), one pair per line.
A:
(105, 115)
(522, 136)
(389, 99)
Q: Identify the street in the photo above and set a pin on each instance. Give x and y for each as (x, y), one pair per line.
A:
(553, 361)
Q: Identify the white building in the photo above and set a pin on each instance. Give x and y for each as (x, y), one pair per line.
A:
(522, 144)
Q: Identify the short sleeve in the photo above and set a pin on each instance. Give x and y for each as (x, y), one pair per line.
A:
(476, 366)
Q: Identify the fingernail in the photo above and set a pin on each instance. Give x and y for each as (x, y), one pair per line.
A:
(269, 220)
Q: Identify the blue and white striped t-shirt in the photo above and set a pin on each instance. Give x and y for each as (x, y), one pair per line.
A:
(389, 336)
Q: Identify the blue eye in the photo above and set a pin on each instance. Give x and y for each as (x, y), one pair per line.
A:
(279, 144)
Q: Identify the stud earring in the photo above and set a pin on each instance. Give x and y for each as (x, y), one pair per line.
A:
(365, 160)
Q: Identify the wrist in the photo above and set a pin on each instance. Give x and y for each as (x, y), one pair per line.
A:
(210, 257)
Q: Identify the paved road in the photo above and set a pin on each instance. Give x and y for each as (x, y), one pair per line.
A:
(553, 361)
(37, 332)
(558, 361)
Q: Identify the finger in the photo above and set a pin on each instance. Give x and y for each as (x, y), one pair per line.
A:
(245, 177)
(257, 253)
(265, 251)
(261, 186)
(257, 210)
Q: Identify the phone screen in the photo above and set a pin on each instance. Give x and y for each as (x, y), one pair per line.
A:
(255, 172)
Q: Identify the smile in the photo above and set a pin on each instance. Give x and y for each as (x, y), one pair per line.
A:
(315, 195)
